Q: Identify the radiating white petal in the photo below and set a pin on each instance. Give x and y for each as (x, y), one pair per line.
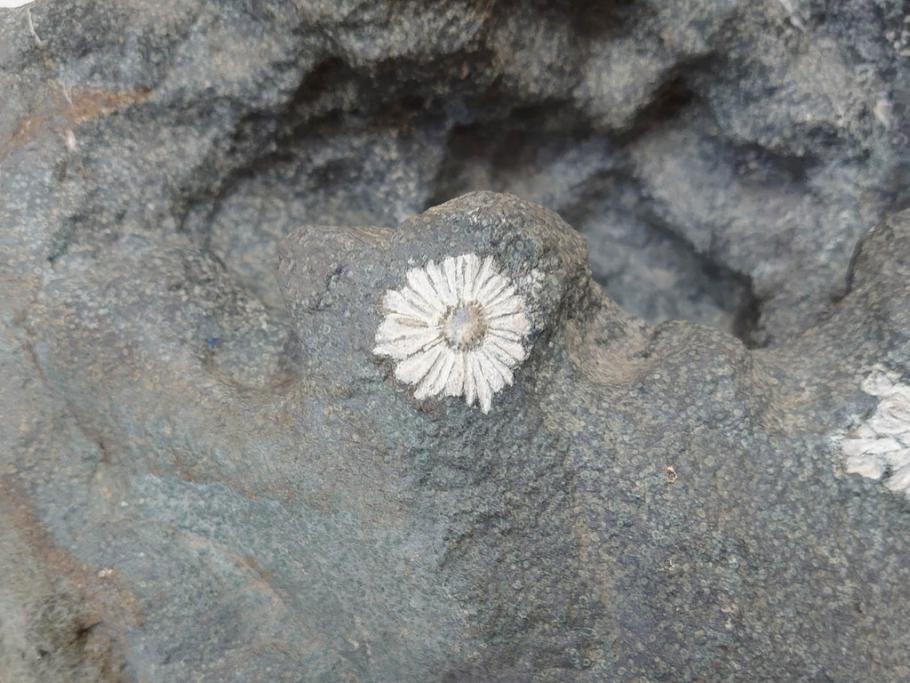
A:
(864, 431)
(459, 277)
(509, 352)
(497, 372)
(491, 289)
(483, 388)
(446, 364)
(441, 284)
(395, 302)
(412, 370)
(508, 335)
(471, 266)
(880, 445)
(872, 467)
(486, 271)
(425, 388)
(405, 347)
(420, 283)
(878, 384)
(897, 459)
(412, 297)
(470, 384)
(397, 326)
(516, 324)
(507, 306)
(892, 416)
(900, 480)
(455, 383)
(450, 270)
(500, 296)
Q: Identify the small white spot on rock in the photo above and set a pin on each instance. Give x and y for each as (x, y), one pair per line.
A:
(882, 111)
(879, 448)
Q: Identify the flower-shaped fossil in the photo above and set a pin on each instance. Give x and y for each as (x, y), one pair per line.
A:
(879, 448)
(456, 328)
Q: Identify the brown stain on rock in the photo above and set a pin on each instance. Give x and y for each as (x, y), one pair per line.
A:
(92, 104)
(66, 113)
(79, 613)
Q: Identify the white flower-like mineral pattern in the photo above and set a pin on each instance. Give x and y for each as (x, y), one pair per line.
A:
(456, 328)
(879, 448)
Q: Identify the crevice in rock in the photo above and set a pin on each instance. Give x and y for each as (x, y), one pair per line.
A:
(667, 103)
(551, 155)
(705, 290)
(761, 166)
(600, 18)
(499, 154)
(316, 157)
(588, 19)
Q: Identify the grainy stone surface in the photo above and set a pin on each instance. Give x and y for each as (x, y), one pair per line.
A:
(205, 474)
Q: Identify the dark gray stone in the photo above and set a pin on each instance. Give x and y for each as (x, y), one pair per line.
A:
(206, 475)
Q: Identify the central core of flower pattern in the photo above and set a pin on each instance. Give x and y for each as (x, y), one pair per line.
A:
(464, 326)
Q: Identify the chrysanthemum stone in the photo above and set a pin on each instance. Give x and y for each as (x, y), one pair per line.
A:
(457, 328)
(879, 448)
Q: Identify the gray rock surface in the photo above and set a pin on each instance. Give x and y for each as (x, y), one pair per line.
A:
(206, 475)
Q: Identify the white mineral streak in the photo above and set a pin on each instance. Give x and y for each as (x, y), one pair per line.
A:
(456, 328)
(880, 447)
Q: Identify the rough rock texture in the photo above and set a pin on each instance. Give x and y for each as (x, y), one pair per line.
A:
(206, 475)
